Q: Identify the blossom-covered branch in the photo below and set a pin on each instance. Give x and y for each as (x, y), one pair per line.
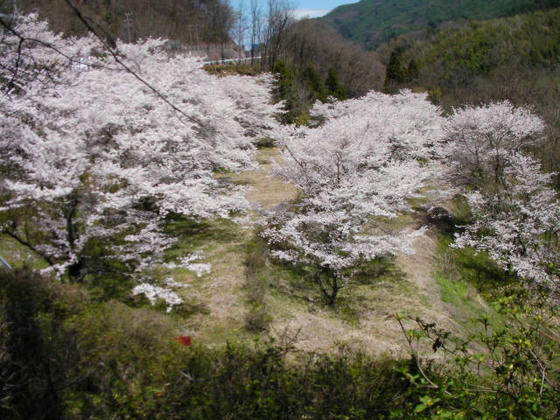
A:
(93, 155)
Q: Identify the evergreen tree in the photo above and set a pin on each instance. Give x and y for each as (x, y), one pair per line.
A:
(333, 85)
(287, 90)
(314, 83)
(413, 71)
(286, 83)
(396, 73)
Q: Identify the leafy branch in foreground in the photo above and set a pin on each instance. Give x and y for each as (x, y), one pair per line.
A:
(508, 368)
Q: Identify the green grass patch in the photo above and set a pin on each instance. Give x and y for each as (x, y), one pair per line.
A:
(392, 224)
(289, 280)
(200, 234)
(369, 287)
(18, 255)
(453, 291)
(257, 319)
(464, 299)
(467, 280)
(382, 269)
(265, 143)
(352, 307)
(466, 264)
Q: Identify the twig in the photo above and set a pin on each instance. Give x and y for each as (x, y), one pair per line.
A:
(414, 354)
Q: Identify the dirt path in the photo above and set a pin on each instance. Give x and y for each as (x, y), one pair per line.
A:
(419, 268)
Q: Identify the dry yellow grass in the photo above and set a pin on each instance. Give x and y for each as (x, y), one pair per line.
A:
(266, 191)
(222, 292)
(318, 328)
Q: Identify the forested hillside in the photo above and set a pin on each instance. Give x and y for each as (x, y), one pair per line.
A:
(189, 21)
(374, 22)
(316, 62)
(515, 58)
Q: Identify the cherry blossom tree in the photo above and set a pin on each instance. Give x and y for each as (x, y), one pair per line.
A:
(516, 213)
(355, 172)
(90, 153)
(519, 224)
(30, 53)
(480, 139)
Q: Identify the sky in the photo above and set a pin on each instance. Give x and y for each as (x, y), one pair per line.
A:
(308, 8)
(316, 8)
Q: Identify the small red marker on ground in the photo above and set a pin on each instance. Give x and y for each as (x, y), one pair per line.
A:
(185, 340)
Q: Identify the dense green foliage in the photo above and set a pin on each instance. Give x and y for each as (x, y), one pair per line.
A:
(333, 84)
(188, 21)
(315, 62)
(300, 89)
(500, 371)
(373, 22)
(530, 40)
(396, 71)
(29, 368)
(314, 82)
(516, 58)
(291, 90)
(64, 356)
(505, 365)
(257, 319)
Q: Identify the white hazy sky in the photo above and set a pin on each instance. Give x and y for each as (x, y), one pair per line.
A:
(307, 8)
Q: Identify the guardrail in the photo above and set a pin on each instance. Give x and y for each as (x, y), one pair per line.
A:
(232, 60)
(5, 263)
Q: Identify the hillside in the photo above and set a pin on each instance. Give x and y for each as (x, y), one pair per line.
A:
(514, 58)
(191, 21)
(373, 22)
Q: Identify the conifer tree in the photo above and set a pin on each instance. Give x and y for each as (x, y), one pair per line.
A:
(396, 73)
(333, 85)
(314, 83)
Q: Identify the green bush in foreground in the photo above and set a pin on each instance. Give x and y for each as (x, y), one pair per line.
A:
(508, 371)
(62, 356)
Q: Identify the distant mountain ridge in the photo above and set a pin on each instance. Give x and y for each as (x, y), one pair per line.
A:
(374, 22)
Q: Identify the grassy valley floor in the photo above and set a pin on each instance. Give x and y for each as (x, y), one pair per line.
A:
(222, 307)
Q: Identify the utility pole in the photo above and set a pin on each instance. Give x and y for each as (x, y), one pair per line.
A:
(128, 23)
